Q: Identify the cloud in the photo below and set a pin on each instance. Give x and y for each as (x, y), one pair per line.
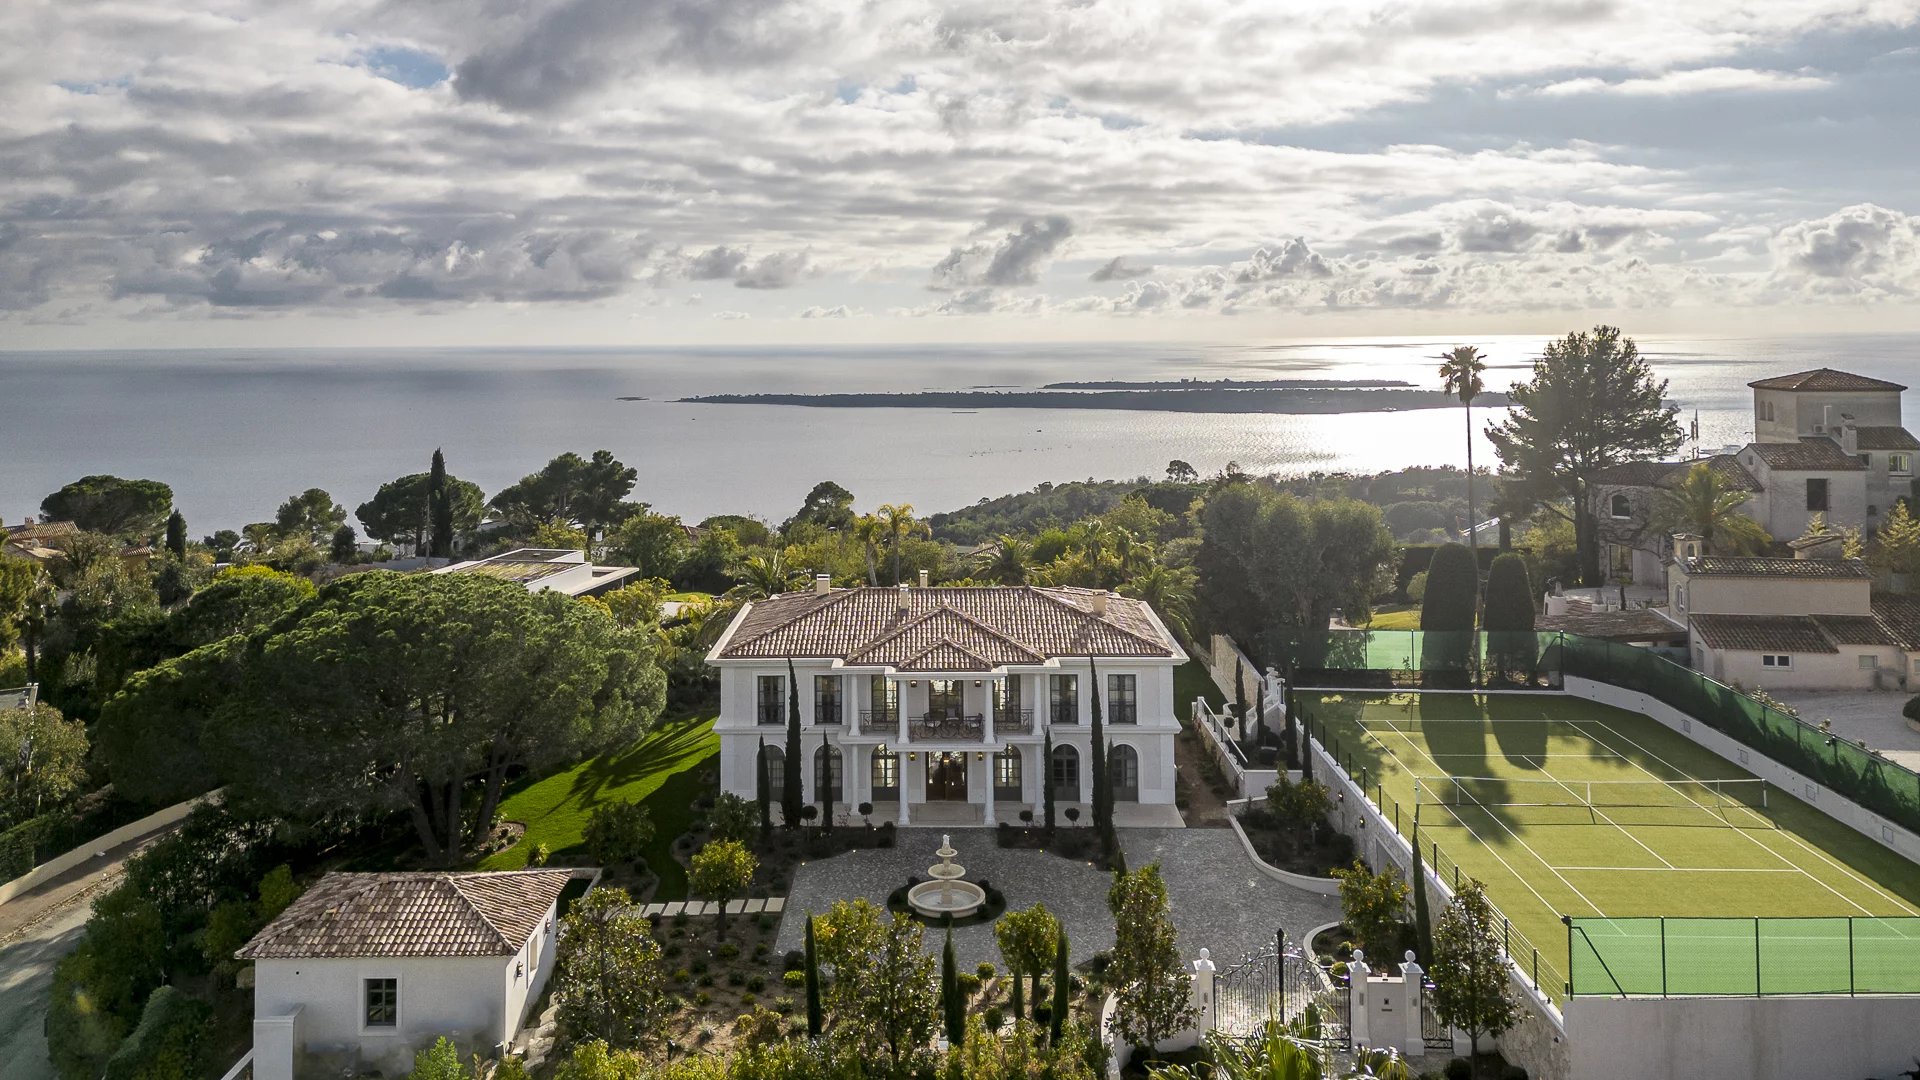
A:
(1118, 269)
(838, 311)
(1293, 258)
(714, 263)
(1862, 250)
(779, 271)
(1712, 80)
(1015, 259)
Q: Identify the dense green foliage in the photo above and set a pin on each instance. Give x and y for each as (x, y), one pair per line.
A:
(721, 871)
(1371, 904)
(607, 973)
(1471, 990)
(1153, 991)
(402, 510)
(570, 488)
(111, 506)
(618, 832)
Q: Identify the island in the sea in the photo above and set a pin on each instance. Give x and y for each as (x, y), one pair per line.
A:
(1150, 397)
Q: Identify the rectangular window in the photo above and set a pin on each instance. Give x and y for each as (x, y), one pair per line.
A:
(943, 697)
(1123, 698)
(1776, 660)
(1006, 695)
(1006, 775)
(1063, 699)
(1899, 463)
(884, 696)
(1621, 558)
(383, 1003)
(1817, 495)
(885, 774)
(826, 699)
(1869, 663)
(771, 706)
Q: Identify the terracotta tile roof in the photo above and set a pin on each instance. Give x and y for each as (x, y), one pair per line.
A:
(1900, 615)
(1887, 438)
(1811, 452)
(1763, 633)
(1769, 567)
(411, 914)
(1826, 379)
(1669, 473)
(1855, 630)
(971, 629)
(1632, 624)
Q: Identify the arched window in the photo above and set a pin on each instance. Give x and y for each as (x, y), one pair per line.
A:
(1125, 770)
(1007, 779)
(776, 773)
(827, 773)
(1620, 506)
(1065, 775)
(884, 772)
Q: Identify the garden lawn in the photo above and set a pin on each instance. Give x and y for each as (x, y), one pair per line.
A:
(1407, 618)
(1190, 680)
(665, 771)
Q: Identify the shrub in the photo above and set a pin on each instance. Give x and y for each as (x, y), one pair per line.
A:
(618, 832)
(756, 982)
(996, 1018)
(1339, 968)
(700, 965)
(795, 979)
(727, 950)
(969, 983)
(538, 854)
(1912, 710)
(749, 998)
(1417, 587)
(1458, 1069)
(765, 923)
(166, 1042)
(760, 950)
(734, 818)
(984, 969)
(736, 978)
(795, 960)
(702, 999)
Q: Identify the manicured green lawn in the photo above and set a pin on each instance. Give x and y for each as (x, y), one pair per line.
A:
(1190, 680)
(1398, 618)
(666, 771)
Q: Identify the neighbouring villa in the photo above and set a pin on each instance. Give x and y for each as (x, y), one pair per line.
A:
(558, 570)
(365, 969)
(935, 705)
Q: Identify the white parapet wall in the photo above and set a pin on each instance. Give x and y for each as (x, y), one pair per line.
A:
(62, 863)
(1806, 789)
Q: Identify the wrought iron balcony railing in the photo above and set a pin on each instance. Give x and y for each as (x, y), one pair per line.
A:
(945, 727)
(1013, 722)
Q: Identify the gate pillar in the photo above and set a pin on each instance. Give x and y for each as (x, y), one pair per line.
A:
(1414, 991)
(1204, 1009)
(1357, 1005)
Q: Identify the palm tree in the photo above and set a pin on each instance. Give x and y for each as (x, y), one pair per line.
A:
(1007, 562)
(900, 524)
(868, 529)
(1460, 371)
(1704, 504)
(1168, 591)
(761, 576)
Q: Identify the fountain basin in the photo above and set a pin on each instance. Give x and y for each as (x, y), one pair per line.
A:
(935, 899)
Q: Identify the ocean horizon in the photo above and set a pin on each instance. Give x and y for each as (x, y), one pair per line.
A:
(236, 431)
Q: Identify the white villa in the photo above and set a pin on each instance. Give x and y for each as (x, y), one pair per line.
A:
(935, 704)
(561, 570)
(1825, 442)
(365, 969)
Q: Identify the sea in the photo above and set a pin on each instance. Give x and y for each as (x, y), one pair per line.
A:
(235, 431)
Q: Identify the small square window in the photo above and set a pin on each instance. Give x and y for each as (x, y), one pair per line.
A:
(383, 1003)
(1776, 660)
(1869, 663)
(1743, 757)
(1899, 463)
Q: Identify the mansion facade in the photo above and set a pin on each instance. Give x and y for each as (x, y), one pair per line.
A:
(919, 698)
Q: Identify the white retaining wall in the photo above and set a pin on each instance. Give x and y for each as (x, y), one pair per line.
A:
(1831, 803)
(60, 864)
(1788, 1038)
(1214, 733)
(1324, 886)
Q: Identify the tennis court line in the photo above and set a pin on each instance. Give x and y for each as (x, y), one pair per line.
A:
(1516, 836)
(1810, 849)
(1695, 870)
(1538, 764)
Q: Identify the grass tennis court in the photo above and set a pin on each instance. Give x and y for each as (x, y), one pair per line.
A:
(1576, 808)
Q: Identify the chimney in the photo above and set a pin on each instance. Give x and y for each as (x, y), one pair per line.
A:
(1826, 419)
(821, 583)
(923, 579)
(1849, 436)
(906, 599)
(1100, 604)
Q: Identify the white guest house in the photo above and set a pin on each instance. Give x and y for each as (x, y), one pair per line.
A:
(935, 704)
(365, 969)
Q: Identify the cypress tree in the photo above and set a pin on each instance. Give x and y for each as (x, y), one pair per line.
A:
(953, 1006)
(1422, 919)
(1509, 614)
(763, 790)
(1060, 980)
(1046, 782)
(177, 535)
(1446, 612)
(1100, 792)
(813, 982)
(1306, 761)
(791, 799)
(1240, 695)
(1018, 1006)
(439, 510)
(1290, 738)
(1260, 715)
(825, 785)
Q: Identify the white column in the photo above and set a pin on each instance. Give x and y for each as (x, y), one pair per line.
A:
(848, 714)
(1357, 1003)
(987, 803)
(1413, 993)
(1203, 1000)
(901, 764)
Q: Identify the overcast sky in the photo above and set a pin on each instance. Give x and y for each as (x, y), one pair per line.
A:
(278, 172)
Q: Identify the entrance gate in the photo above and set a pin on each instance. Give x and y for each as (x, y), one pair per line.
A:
(1280, 986)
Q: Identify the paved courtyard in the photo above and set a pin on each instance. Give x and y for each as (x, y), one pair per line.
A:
(1220, 902)
(1862, 715)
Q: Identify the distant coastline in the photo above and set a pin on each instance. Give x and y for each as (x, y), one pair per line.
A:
(1201, 398)
(1227, 384)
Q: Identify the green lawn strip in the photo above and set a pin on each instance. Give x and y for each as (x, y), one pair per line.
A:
(1190, 680)
(663, 770)
(1407, 618)
(1510, 849)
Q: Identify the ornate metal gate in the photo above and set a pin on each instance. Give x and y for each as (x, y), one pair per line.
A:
(1282, 987)
(1434, 1031)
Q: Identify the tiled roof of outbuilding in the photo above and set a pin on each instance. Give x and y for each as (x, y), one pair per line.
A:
(411, 914)
(1810, 453)
(1887, 438)
(1770, 567)
(963, 629)
(1668, 473)
(1763, 633)
(1824, 379)
(1900, 615)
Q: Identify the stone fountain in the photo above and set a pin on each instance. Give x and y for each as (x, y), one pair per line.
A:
(947, 893)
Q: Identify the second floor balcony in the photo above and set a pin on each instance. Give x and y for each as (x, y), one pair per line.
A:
(947, 727)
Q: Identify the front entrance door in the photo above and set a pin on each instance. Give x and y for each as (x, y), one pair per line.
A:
(946, 777)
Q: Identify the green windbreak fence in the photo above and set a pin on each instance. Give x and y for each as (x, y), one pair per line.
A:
(1744, 957)
(1390, 658)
